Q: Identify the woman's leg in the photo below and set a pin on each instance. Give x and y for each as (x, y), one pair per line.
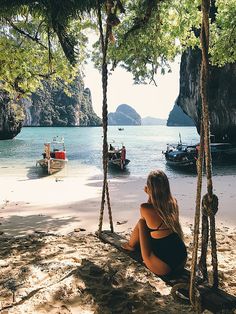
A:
(133, 241)
(152, 262)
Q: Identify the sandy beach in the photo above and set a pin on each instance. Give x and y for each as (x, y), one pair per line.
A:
(50, 254)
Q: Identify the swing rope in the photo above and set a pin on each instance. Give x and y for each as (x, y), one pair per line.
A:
(104, 46)
(194, 297)
(209, 200)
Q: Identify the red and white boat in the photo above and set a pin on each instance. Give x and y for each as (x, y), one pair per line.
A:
(54, 156)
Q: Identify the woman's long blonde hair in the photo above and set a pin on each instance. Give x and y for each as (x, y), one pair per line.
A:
(162, 200)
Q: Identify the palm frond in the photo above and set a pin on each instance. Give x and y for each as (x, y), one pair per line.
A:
(57, 14)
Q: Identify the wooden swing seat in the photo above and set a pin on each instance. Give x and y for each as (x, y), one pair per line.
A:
(214, 300)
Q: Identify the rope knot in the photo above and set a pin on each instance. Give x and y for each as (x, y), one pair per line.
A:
(209, 205)
(180, 293)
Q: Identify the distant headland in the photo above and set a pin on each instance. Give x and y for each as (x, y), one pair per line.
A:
(127, 115)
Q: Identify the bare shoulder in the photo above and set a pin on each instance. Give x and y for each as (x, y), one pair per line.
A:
(148, 213)
(146, 206)
(146, 210)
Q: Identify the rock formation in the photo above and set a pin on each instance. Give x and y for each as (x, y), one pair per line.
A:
(11, 117)
(53, 106)
(87, 116)
(124, 115)
(49, 106)
(222, 95)
(178, 118)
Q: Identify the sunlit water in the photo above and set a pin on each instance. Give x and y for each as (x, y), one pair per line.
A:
(144, 146)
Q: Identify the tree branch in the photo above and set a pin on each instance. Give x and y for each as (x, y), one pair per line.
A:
(22, 32)
(139, 22)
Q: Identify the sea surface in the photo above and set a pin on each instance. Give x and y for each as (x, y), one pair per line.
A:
(144, 145)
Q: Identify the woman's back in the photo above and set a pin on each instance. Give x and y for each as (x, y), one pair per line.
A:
(157, 227)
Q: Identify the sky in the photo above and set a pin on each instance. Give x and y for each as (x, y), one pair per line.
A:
(147, 100)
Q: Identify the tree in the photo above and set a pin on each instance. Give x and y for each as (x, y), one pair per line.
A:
(31, 51)
(150, 35)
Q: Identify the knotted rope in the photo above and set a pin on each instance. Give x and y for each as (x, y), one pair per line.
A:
(104, 46)
(209, 209)
(209, 201)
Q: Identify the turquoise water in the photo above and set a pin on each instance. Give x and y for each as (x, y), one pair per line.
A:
(144, 146)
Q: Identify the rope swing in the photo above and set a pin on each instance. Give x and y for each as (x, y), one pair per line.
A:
(209, 200)
(104, 45)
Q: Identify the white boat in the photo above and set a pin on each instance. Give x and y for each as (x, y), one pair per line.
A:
(54, 156)
(117, 157)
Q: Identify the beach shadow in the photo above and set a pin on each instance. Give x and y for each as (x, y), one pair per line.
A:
(21, 225)
(100, 286)
(20, 253)
(107, 287)
(109, 291)
(36, 172)
(18, 246)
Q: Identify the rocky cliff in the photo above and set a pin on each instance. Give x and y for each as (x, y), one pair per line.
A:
(178, 118)
(222, 95)
(87, 116)
(54, 106)
(124, 115)
(11, 117)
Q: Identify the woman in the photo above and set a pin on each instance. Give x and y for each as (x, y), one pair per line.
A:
(158, 232)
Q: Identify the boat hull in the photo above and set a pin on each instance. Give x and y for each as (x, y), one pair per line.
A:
(52, 165)
(116, 163)
(223, 152)
(181, 164)
(185, 156)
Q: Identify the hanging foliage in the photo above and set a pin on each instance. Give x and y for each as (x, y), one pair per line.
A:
(150, 35)
(30, 52)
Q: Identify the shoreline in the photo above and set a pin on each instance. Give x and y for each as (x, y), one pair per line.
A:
(69, 202)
